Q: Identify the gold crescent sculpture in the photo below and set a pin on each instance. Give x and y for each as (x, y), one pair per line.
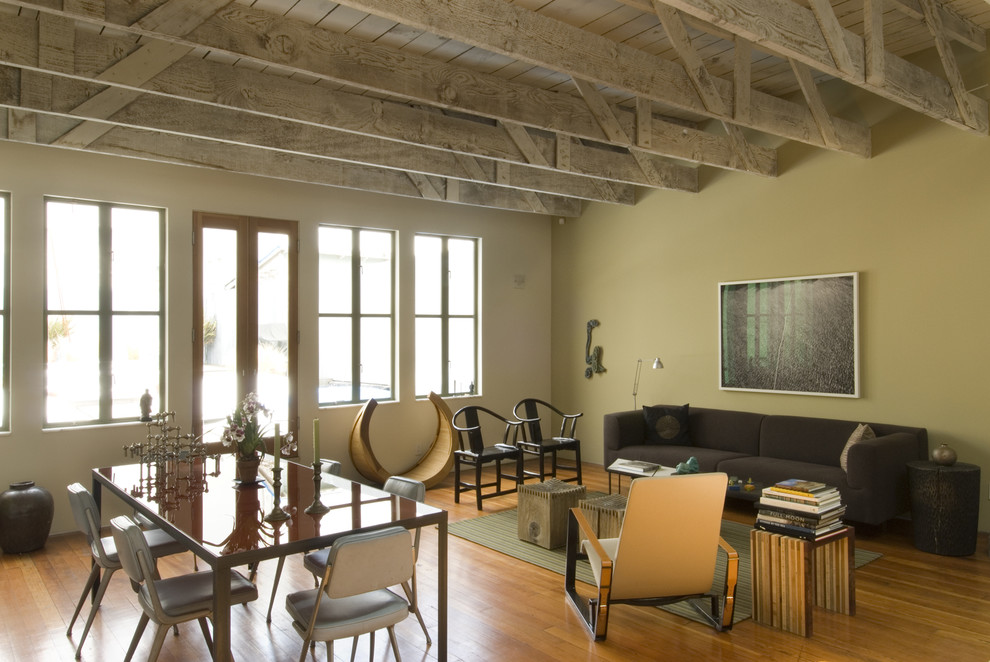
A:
(432, 468)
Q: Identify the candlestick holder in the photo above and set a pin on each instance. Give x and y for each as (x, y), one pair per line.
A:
(317, 507)
(277, 514)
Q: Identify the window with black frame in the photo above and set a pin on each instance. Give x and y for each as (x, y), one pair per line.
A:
(104, 310)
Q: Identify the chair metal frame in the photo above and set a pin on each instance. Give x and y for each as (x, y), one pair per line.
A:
(534, 443)
(594, 610)
(104, 553)
(476, 454)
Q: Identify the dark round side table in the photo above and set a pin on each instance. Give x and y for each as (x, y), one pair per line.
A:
(945, 507)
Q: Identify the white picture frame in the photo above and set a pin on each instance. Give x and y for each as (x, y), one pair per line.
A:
(790, 335)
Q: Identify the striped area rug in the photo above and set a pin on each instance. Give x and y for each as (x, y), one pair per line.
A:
(498, 531)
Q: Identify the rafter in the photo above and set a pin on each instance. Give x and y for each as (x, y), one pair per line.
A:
(177, 116)
(253, 34)
(791, 31)
(525, 35)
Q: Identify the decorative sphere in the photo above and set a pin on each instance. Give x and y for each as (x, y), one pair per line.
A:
(944, 455)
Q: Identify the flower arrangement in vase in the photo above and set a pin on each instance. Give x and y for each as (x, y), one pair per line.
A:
(245, 432)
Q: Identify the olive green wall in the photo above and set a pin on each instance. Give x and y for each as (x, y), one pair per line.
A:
(515, 320)
(912, 221)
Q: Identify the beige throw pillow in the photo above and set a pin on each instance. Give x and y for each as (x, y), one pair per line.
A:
(862, 431)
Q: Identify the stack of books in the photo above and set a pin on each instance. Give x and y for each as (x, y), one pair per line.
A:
(800, 508)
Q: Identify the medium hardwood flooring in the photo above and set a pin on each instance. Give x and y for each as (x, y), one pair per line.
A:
(910, 605)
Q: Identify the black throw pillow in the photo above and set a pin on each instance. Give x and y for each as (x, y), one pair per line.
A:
(667, 425)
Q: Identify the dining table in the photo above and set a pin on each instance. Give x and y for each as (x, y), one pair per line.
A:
(289, 509)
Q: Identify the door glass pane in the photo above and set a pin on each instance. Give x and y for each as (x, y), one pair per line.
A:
(135, 364)
(376, 358)
(219, 329)
(135, 271)
(462, 290)
(376, 273)
(428, 290)
(461, 372)
(335, 270)
(273, 325)
(428, 356)
(73, 255)
(335, 360)
(73, 373)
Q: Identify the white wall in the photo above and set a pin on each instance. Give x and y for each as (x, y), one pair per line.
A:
(515, 322)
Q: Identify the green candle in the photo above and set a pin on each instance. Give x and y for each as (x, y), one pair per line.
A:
(278, 447)
(316, 440)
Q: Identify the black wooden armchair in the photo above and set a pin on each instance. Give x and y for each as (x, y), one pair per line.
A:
(475, 454)
(531, 413)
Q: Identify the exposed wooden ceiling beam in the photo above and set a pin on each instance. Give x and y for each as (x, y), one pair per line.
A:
(172, 115)
(789, 30)
(522, 34)
(249, 33)
(191, 151)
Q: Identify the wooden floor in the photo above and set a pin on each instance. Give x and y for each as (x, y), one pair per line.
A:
(910, 606)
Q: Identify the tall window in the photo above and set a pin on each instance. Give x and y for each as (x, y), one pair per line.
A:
(103, 310)
(4, 308)
(446, 315)
(357, 303)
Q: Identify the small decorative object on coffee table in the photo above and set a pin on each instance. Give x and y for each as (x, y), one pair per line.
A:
(542, 511)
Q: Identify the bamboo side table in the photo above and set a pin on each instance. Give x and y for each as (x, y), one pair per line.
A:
(791, 576)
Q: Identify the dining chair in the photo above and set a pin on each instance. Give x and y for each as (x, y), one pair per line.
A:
(172, 600)
(104, 553)
(475, 453)
(416, 491)
(332, 468)
(534, 441)
(409, 488)
(353, 596)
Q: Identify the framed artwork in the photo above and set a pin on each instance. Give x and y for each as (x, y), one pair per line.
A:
(790, 335)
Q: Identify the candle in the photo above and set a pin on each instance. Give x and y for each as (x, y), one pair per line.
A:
(316, 440)
(278, 447)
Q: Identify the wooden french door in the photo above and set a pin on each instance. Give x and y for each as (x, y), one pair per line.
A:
(245, 308)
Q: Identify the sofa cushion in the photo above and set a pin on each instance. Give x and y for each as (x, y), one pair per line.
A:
(667, 425)
(805, 439)
(726, 430)
(861, 433)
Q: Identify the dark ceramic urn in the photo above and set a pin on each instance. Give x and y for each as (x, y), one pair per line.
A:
(26, 512)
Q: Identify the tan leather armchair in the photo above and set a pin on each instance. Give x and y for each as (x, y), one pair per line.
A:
(666, 551)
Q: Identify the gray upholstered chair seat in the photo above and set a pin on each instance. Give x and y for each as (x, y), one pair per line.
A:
(316, 562)
(186, 594)
(339, 618)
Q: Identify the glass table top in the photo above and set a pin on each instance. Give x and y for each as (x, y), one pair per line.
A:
(201, 499)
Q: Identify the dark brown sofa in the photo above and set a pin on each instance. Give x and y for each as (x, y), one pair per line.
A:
(768, 449)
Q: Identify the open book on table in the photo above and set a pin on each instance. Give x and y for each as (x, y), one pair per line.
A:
(640, 468)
